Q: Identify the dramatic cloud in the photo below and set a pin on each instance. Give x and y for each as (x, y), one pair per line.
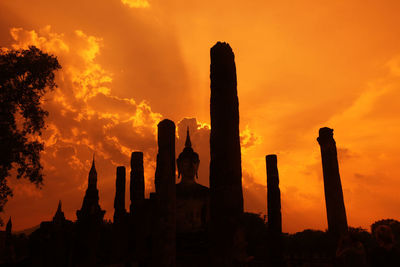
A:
(85, 119)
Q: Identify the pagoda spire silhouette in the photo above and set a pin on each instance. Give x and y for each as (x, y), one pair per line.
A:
(91, 211)
(188, 143)
(59, 215)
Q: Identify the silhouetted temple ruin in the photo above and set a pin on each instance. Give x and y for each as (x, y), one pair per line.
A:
(140, 209)
(119, 200)
(225, 164)
(336, 212)
(137, 181)
(164, 246)
(59, 216)
(91, 211)
(274, 210)
(192, 199)
(184, 223)
(273, 196)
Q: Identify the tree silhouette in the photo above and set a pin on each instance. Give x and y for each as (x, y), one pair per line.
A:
(394, 224)
(25, 76)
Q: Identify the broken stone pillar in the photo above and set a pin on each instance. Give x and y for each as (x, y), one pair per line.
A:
(137, 181)
(274, 196)
(225, 165)
(119, 201)
(336, 212)
(137, 209)
(164, 239)
(274, 212)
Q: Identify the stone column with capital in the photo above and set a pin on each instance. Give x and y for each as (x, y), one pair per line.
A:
(335, 209)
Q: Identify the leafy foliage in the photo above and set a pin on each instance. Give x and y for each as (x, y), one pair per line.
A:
(25, 76)
(394, 224)
(308, 242)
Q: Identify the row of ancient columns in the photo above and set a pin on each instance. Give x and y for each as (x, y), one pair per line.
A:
(227, 244)
(136, 188)
(162, 227)
(226, 173)
(227, 241)
(335, 209)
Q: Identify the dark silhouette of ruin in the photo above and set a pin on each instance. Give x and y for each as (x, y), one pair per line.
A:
(226, 195)
(186, 223)
(164, 249)
(274, 210)
(59, 217)
(140, 220)
(192, 199)
(336, 212)
(91, 211)
(119, 201)
(273, 196)
(137, 182)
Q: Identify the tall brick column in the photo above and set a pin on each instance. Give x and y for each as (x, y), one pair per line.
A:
(336, 212)
(137, 181)
(274, 212)
(225, 165)
(119, 200)
(165, 233)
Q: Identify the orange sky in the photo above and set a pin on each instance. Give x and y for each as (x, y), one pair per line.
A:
(301, 65)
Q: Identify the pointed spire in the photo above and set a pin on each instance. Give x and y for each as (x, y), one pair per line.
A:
(188, 143)
(9, 226)
(93, 168)
(93, 165)
(93, 175)
(59, 206)
(59, 216)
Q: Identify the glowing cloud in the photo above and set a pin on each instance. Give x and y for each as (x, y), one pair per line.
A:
(136, 3)
(85, 117)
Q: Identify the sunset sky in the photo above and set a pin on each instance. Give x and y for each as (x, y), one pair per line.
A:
(301, 65)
